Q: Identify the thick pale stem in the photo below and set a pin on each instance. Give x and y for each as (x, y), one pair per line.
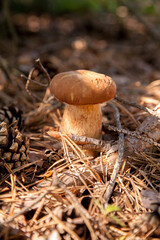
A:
(82, 120)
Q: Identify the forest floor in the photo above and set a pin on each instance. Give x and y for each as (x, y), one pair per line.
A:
(58, 194)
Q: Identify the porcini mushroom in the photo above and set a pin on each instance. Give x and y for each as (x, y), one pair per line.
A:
(82, 91)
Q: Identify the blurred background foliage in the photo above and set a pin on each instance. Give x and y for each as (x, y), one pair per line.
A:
(145, 11)
(149, 7)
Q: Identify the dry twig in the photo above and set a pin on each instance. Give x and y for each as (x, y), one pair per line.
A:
(29, 79)
(135, 134)
(118, 164)
(86, 142)
(39, 65)
(136, 105)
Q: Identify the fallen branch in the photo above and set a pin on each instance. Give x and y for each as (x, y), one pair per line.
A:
(39, 65)
(135, 134)
(87, 143)
(136, 105)
(101, 145)
(118, 163)
(29, 79)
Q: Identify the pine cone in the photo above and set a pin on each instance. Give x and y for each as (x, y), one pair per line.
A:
(11, 114)
(14, 147)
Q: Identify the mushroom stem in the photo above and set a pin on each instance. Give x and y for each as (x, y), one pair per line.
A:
(83, 91)
(82, 120)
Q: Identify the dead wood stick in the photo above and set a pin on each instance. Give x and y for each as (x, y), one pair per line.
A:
(39, 65)
(86, 142)
(134, 104)
(100, 145)
(135, 134)
(118, 163)
(29, 79)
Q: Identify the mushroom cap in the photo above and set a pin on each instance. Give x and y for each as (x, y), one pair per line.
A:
(82, 87)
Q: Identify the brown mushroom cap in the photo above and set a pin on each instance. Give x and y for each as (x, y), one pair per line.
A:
(82, 87)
